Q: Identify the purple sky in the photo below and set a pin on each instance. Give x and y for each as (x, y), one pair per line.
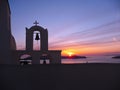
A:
(79, 26)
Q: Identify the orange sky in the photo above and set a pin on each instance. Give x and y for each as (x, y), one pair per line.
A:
(91, 50)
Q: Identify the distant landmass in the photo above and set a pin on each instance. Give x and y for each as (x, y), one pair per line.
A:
(116, 57)
(73, 57)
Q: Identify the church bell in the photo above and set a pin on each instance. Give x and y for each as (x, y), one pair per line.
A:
(37, 36)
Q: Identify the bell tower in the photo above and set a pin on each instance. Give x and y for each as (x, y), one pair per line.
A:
(43, 38)
(7, 41)
(8, 52)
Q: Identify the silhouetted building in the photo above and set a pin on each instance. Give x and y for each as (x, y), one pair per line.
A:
(8, 52)
(54, 56)
(7, 41)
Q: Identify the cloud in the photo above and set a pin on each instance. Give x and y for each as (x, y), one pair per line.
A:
(100, 35)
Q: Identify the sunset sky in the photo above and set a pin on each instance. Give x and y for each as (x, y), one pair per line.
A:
(80, 27)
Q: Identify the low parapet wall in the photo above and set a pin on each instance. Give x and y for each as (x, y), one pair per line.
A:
(53, 55)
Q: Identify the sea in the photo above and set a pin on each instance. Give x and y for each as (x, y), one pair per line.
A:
(91, 59)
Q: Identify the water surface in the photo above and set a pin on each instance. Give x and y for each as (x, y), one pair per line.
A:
(92, 59)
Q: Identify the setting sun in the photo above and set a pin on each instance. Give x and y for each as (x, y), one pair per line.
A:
(70, 54)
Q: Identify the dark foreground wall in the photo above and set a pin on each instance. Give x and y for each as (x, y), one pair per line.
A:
(60, 77)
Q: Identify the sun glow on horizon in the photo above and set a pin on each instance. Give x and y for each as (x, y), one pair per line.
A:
(70, 54)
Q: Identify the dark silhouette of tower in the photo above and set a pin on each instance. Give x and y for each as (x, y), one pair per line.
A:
(7, 41)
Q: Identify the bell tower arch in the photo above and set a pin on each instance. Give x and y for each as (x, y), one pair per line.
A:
(43, 37)
(42, 55)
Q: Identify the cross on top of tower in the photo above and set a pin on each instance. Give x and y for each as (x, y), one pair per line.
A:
(36, 23)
